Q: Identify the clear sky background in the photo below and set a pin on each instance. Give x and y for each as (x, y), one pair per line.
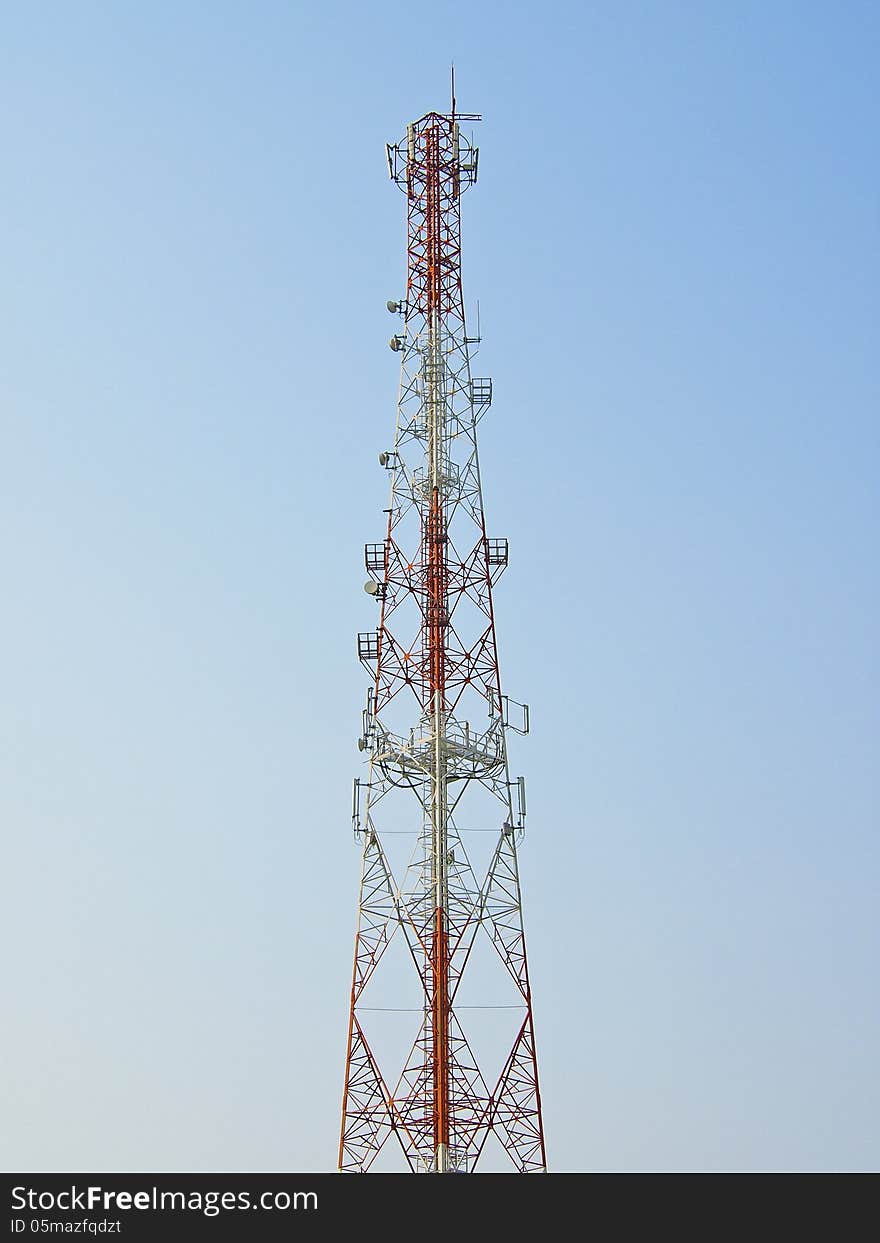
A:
(675, 246)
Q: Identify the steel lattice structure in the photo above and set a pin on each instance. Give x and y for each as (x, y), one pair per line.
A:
(435, 731)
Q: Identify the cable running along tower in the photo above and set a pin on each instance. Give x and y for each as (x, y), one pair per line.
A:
(441, 1068)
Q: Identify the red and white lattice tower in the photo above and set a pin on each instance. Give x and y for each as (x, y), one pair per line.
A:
(441, 1069)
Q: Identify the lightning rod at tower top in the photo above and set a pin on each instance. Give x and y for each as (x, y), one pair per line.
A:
(441, 1069)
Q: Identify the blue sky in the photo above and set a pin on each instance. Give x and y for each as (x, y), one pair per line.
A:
(675, 247)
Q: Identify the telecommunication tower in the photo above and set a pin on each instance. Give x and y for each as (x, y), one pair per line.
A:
(441, 1066)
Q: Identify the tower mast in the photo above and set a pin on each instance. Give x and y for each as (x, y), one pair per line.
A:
(434, 654)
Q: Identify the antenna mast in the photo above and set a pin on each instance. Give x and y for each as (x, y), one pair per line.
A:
(440, 943)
